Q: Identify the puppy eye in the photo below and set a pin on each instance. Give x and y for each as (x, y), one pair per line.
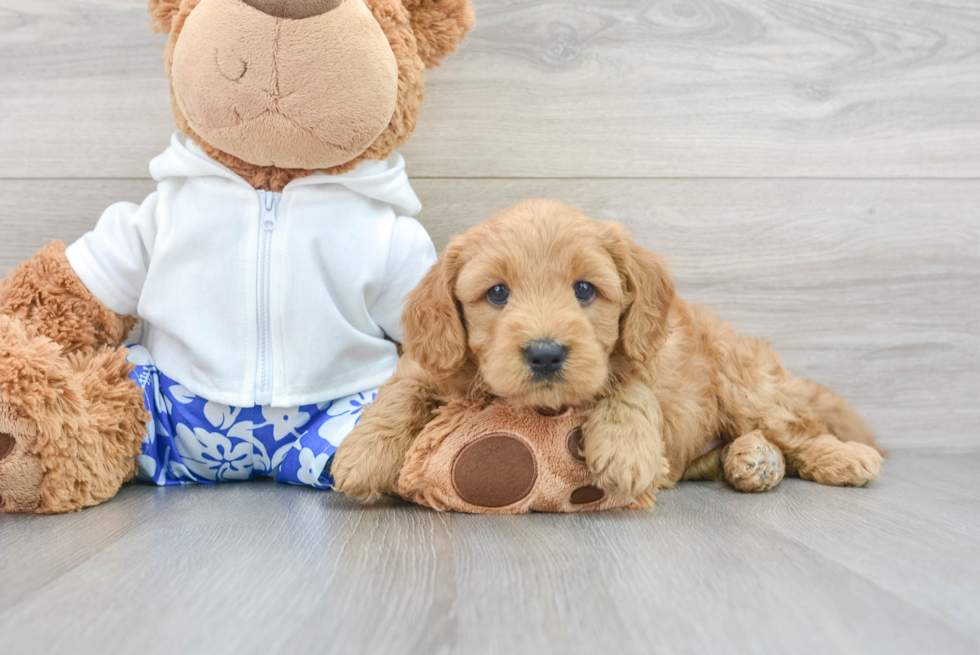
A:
(584, 291)
(498, 295)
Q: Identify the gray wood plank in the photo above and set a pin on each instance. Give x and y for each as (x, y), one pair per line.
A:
(565, 88)
(864, 532)
(871, 287)
(264, 568)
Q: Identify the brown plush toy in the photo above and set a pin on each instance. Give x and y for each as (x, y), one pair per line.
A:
(501, 459)
(268, 267)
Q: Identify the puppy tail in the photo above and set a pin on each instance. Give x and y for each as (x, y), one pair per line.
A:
(841, 419)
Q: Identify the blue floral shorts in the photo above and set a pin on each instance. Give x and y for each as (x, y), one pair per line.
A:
(190, 439)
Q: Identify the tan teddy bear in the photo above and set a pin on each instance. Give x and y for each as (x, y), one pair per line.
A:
(268, 267)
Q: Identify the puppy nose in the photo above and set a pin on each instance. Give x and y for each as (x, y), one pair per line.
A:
(294, 9)
(545, 357)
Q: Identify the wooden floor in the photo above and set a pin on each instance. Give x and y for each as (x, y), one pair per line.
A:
(811, 169)
(262, 568)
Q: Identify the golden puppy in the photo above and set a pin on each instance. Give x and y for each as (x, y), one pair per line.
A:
(543, 306)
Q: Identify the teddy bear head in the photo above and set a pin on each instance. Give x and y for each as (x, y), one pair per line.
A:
(278, 89)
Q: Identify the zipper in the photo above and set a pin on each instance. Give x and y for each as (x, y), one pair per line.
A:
(268, 221)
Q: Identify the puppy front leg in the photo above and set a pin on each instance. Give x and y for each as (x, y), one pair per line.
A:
(369, 461)
(623, 443)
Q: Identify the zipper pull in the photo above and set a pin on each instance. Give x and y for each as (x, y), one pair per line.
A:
(269, 211)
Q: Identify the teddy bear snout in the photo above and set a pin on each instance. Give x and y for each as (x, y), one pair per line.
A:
(298, 94)
(294, 9)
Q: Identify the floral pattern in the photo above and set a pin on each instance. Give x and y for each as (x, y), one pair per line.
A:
(191, 439)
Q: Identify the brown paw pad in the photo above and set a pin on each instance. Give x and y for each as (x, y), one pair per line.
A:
(496, 470)
(7, 443)
(576, 444)
(586, 495)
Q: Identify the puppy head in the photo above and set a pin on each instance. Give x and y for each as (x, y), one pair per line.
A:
(543, 300)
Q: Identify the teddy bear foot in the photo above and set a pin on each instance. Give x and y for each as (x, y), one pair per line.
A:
(20, 470)
(70, 426)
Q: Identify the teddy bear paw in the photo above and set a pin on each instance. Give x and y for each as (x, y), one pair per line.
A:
(20, 470)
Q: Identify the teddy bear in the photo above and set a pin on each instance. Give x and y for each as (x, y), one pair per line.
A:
(268, 268)
(498, 458)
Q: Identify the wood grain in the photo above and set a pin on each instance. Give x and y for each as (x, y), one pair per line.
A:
(259, 567)
(776, 150)
(565, 88)
(871, 287)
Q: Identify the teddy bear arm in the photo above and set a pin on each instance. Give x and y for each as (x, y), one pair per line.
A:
(46, 295)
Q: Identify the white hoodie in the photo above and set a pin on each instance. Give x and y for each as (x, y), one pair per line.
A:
(257, 298)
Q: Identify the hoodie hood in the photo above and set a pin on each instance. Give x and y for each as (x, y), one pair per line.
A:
(384, 181)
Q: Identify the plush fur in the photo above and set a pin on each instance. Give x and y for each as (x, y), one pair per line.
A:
(656, 380)
(419, 32)
(464, 461)
(76, 422)
(44, 292)
(312, 93)
(71, 420)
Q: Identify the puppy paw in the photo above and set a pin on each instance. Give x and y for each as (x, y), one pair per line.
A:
(20, 469)
(752, 463)
(624, 463)
(354, 478)
(846, 464)
(364, 467)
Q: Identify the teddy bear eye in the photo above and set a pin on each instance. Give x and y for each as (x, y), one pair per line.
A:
(584, 291)
(498, 294)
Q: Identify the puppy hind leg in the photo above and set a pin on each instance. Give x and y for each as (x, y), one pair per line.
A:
(819, 456)
(841, 419)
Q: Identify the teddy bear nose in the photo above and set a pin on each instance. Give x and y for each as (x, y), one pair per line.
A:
(294, 9)
(545, 357)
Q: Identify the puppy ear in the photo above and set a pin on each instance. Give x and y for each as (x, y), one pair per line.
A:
(432, 326)
(648, 291)
(162, 14)
(440, 26)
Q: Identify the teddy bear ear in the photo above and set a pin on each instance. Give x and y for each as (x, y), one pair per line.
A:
(162, 14)
(439, 26)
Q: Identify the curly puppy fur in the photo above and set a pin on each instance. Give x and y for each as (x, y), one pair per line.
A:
(656, 379)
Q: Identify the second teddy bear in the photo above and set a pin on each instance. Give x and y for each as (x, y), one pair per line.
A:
(502, 459)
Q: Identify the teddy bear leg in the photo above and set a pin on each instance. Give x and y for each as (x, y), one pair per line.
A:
(753, 463)
(70, 425)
